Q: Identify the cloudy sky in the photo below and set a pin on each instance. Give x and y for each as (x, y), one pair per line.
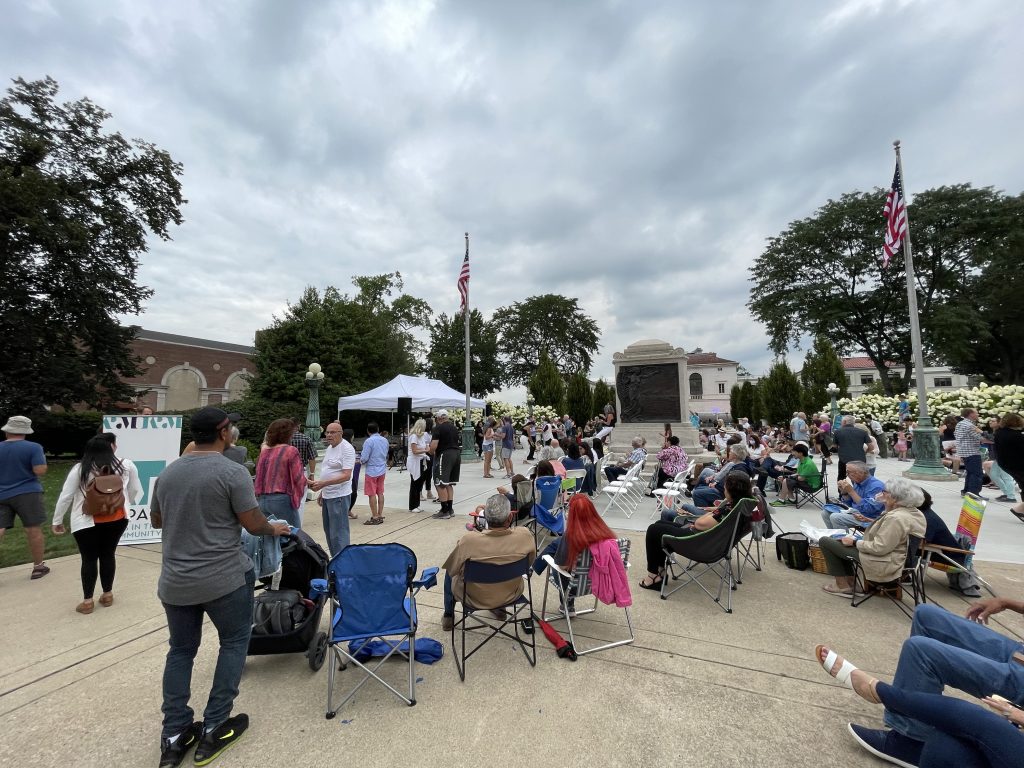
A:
(632, 154)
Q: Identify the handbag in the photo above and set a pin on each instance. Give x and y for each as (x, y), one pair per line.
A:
(794, 550)
(278, 612)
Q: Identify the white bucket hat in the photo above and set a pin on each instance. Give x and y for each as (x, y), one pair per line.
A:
(18, 425)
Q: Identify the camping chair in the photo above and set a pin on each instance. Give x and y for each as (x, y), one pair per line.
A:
(483, 572)
(621, 493)
(546, 518)
(909, 577)
(752, 550)
(576, 585)
(802, 496)
(573, 482)
(372, 588)
(711, 549)
(972, 512)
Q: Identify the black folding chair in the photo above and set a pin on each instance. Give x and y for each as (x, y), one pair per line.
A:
(803, 495)
(483, 572)
(910, 579)
(751, 551)
(708, 552)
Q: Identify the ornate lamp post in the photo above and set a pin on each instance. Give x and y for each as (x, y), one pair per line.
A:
(529, 405)
(314, 378)
(833, 390)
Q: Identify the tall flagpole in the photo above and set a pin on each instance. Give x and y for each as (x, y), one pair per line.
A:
(468, 442)
(927, 457)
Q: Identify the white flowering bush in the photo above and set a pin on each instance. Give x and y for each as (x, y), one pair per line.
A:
(519, 413)
(991, 401)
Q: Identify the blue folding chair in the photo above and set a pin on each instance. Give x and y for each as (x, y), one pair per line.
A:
(546, 514)
(373, 589)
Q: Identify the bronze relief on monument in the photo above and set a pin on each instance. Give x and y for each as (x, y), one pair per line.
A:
(649, 393)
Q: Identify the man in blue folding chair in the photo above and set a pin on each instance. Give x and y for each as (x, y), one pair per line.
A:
(499, 544)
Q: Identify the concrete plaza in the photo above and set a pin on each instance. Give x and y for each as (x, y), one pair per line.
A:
(697, 688)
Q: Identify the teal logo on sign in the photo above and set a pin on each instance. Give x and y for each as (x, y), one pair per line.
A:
(141, 422)
(148, 471)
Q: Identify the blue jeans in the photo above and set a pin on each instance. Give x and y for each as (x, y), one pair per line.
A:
(945, 649)
(1003, 480)
(335, 517)
(231, 614)
(965, 733)
(705, 496)
(449, 597)
(279, 505)
(973, 477)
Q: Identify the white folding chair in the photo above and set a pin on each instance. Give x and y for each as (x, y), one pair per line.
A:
(668, 496)
(621, 493)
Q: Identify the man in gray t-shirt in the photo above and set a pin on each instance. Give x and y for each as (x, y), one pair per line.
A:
(201, 502)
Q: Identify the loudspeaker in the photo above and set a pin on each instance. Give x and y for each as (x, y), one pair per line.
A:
(404, 408)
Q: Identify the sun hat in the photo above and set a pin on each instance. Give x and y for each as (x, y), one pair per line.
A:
(18, 425)
(441, 413)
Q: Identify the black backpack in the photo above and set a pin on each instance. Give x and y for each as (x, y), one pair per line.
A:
(278, 612)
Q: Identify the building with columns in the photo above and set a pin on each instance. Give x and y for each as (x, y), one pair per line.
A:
(183, 372)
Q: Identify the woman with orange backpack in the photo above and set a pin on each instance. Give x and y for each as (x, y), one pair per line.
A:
(97, 492)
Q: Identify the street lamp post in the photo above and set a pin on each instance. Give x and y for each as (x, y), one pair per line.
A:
(529, 405)
(314, 378)
(833, 390)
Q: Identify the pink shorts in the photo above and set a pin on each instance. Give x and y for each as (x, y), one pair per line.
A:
(373, 486)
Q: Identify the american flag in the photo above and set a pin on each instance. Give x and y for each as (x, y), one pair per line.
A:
(895, 213)
(464, 278)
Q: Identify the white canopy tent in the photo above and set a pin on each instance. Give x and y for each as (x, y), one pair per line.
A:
(426, 394)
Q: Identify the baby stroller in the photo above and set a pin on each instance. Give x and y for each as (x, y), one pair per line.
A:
(286, 612)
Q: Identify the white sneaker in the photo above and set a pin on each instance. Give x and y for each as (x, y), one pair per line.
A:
(418, 509)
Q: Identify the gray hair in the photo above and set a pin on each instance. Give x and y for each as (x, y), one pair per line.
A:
(547, 453)
(739, 451)
(235, 434)
(904, 493)
(637, 441)
(847, 420)
(496, 511)
(859, 466)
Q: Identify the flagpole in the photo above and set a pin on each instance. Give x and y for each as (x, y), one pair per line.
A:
(927, 456)
(468, 441)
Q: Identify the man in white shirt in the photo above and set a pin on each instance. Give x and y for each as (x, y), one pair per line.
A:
(335, 486)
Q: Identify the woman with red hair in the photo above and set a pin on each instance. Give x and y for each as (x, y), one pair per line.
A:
(583, 527)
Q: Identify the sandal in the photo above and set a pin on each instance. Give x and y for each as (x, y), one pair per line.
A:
(832, 590)
(845, 673)
(374, 521)
(654, 585)
(39, 571)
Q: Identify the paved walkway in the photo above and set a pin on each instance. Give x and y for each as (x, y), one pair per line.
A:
(697, 688)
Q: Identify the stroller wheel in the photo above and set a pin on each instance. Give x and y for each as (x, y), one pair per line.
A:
(317, 652)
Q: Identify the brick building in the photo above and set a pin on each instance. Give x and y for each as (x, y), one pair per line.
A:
(182, 372)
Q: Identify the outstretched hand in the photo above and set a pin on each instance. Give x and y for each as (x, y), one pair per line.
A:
(982, 609)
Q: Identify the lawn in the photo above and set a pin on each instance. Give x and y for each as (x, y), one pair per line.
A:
(14, 548)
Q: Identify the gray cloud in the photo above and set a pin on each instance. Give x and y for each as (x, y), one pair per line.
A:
(633, 156)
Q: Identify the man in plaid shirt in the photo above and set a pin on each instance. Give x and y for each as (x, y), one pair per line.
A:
(305, 448)
(968, 449)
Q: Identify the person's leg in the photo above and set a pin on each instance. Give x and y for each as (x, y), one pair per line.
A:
(278, 505)
(329, 514)
(1003, 481)
(841, 470)
(950, 629)
(539, 565)
(706, 496)
(109, 536)
(415, 490)
(963, 733)
(449, 598)
(613, 473)
(185, 627)
(837, 560)
(232, 616)
(87, 540)
(487, 463)
(371, 498)
(652, 543)
(973, 478)
(843, 520)
(339, 523)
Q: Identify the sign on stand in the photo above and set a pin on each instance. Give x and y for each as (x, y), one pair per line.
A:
(151, 442)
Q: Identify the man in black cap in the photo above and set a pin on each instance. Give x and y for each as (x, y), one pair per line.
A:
(201, 502)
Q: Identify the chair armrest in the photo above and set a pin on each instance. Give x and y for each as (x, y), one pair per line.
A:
(427, 579)
(941, 548)
(552, 564)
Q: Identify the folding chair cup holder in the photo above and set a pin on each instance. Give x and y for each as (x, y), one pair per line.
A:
(483, 572)
(372, 588)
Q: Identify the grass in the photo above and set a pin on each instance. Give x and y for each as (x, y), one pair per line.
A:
(14, 547)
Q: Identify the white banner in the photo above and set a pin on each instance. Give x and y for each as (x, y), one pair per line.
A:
(151, 442)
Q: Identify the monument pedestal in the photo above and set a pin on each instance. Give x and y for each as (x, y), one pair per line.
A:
(652, 389)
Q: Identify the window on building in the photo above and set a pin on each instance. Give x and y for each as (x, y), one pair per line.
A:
(849, 379)
(721, 388)
(943, 381)
(867, 379)
(696, 386)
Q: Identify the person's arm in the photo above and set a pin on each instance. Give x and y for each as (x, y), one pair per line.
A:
(433, 447)
(156, 519)
(64, 501)
(705, 522)
(885, 536)
(256, 523)
(134, 490)
(980, 610)
(39, 461)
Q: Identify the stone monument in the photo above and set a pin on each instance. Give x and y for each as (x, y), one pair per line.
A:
(651, 389)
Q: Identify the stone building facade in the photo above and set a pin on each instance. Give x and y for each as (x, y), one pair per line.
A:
(182, 372)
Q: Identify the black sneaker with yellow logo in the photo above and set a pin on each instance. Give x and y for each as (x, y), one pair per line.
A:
(212, 745)
(173, 752)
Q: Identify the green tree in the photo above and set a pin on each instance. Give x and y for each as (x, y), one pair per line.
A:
(780, 393)
(77, 203)
(550, 324)
(358, 340)
(734, 402)
(757, 413)
(446, 358)
(579, 398)
(546, 385)
(822, 366)
(603, 394)
(746, 401)
(823, 274)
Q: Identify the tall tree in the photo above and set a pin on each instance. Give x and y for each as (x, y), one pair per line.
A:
(550, 324)
(734, 402)
(357, 340)
(446, 358)
(77, 203)
(546, 384)
(823, 274)
(746, 401)
(579, 398)
(757, 414)
(822, 366)
(780, 393)
(603, 395)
